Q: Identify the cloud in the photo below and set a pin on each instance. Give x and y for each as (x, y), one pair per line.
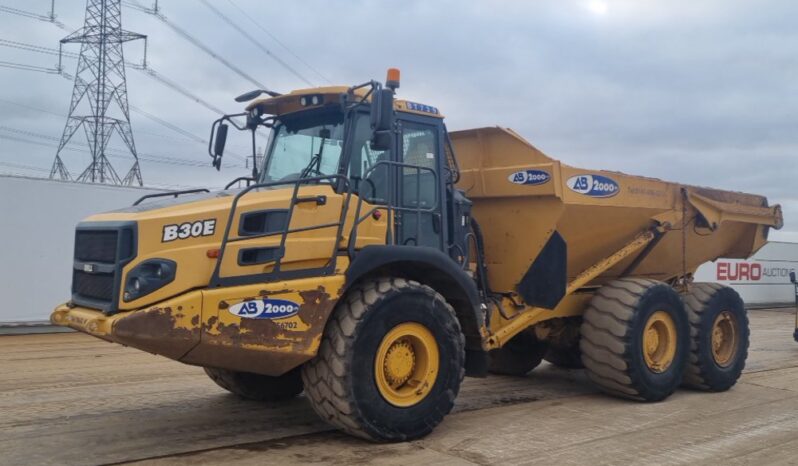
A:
(695, 92)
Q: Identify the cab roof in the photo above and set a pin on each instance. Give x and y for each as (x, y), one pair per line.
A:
(293, 102)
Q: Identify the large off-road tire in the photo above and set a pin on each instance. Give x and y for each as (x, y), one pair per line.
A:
(390, 363)
(256, 386)
(635, 339)
(518, 357)
(719, 336)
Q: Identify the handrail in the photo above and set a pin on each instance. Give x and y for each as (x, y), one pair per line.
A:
(240, 178)
(171, 193)
(216, 279)
(391, 207)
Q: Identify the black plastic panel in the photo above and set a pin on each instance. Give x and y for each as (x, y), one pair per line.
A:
(263, 222)
(545, 282)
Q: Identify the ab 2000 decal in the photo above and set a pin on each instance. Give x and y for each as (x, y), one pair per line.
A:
(593, 185)
(265, 309)
(529, 177)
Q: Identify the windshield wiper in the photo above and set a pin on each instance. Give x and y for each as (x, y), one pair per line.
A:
(315, 160)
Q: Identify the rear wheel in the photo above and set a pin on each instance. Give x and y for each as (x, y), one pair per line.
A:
(519, 356)
(719, 336)
(635, 339)
(390, 362)
(256, 386)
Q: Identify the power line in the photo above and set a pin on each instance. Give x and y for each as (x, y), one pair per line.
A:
(196, 42)
(148, 71)
(62, 115)
(36, 48)
(244, 33)
(259, 26)
(150, 116)
(177, 88)
(32, 15)
(23, 136)
(168, 125)
(26, 167)
(25, 67)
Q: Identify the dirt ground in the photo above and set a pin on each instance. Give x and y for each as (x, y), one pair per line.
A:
(72, 399)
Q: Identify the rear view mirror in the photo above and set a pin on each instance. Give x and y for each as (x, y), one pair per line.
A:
(218, 145)
(382, 119)
(792, 277)
(221, 140)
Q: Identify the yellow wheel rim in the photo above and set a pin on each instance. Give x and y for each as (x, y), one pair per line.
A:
(659, 341)
(724, 338)
(406, 365)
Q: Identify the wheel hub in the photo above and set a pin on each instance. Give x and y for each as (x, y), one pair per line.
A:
(659, 341)
(399, 363)
(724, 338)
(406, 364)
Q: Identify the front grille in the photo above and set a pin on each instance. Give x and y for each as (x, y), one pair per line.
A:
(99, 286)
(96, 246)
(101, 251)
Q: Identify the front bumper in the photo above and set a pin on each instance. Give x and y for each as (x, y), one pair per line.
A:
(197, 327)
(170, 329)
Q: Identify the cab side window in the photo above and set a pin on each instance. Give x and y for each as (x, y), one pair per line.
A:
(420, 149)
(370, 179)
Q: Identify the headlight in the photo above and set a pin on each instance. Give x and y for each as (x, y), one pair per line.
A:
(149, 276)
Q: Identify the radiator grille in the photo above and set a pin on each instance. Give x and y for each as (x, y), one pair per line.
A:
(100, 254)
(96, 246)
(99, 286)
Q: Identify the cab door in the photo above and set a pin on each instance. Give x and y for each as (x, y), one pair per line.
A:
(419, 215)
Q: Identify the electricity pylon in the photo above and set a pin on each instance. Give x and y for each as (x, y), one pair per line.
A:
(99, 82)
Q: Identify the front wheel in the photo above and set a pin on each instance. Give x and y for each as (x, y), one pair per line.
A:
(390, 362)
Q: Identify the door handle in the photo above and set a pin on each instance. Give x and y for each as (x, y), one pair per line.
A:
(319, 200)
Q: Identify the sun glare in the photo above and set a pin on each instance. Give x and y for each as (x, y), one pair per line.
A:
(597, 7)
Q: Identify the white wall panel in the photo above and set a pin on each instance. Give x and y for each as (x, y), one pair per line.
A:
(37, 233)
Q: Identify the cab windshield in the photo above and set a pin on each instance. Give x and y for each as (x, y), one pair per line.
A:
(305, 145)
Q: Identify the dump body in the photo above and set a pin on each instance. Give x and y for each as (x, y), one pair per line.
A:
(521, 197)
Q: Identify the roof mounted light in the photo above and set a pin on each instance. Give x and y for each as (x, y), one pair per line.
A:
(392, 80)
(307, 100)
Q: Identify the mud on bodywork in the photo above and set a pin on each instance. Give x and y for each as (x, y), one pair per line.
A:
(197, 327)
(266, 346)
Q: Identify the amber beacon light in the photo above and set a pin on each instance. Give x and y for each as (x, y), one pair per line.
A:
(392, 80)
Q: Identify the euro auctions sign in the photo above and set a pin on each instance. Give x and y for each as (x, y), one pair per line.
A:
(763, 280)
(740, 271)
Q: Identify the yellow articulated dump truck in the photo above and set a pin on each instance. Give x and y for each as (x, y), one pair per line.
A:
(374, 259)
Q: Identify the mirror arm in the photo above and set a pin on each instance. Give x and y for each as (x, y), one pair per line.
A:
(254, 156)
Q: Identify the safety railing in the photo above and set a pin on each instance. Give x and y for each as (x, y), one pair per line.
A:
(394, 205)
(276, 272)
(397, 202)
(170, 193)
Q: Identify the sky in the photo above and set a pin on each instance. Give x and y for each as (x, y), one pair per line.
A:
(703, 92)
